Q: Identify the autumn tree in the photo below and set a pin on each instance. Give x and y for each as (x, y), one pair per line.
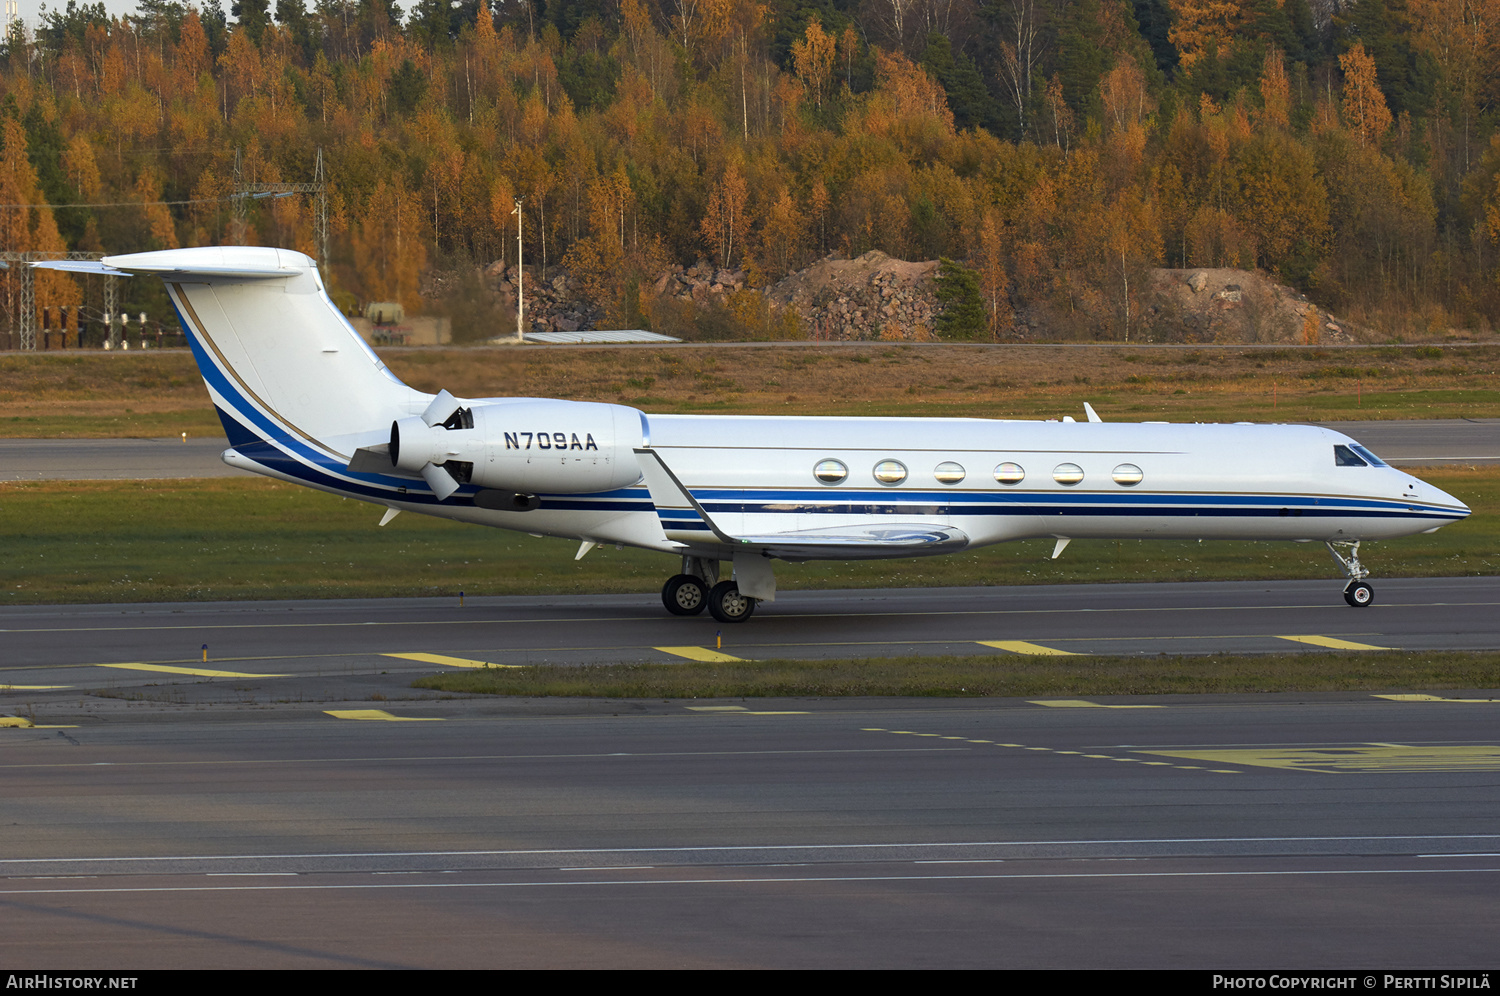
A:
(1202, 27)
(1364, 105)
(725, 222)
(1275, 90)
(813, 57)
(989, 266)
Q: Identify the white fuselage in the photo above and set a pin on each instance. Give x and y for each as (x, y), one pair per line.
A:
(756, 476)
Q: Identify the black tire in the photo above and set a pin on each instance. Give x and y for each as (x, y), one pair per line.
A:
(726, 604)
(683, 595)
(1359, 594)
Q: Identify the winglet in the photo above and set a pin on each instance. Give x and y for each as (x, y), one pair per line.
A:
(1093, 415)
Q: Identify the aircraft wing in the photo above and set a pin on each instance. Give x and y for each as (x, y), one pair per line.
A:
(684, 519)
(859, 543)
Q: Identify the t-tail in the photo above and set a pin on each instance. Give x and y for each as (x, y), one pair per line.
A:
(303, 397)
(296, 387)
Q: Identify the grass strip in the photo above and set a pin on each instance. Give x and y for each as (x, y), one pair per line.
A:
(253, 538)
(1000, 676)
(159, 393)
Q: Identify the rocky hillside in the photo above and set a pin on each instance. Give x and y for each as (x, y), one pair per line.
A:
(878, 297)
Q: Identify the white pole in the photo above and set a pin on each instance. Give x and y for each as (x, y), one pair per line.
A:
(520, 276)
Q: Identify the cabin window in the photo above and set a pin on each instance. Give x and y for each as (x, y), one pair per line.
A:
(1010, 473)
(948, 472)
(1343, 456)
(890, 472)
(1067, 474)
(1127, 475)
(830, 471)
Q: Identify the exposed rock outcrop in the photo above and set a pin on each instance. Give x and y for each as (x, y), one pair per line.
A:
(872, 297)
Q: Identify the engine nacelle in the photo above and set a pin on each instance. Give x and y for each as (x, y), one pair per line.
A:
(559, 447)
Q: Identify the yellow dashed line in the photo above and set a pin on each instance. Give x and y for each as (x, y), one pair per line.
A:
(742, 711)
(32, 688)
(699, 654)
(1332, 642)
(1083, 704)
(380, 714)
(1426, 698)
(197, 672)
(1022, 647)
(447, 661)
(1356, 758)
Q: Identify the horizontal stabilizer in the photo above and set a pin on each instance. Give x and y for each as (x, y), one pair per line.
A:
(209, 262)
(80, 266)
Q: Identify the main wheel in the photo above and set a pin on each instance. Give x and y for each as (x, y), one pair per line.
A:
(1359, 594)
(683, 595)
(727, 605)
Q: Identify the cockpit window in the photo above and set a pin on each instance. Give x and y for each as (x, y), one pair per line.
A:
(1343, 456)
(1373, 460)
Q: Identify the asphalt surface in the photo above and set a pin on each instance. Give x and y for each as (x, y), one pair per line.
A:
(1277, 832)
(1431, 442)
(311, 648)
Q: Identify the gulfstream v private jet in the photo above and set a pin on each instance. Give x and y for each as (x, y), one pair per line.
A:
(304, 399)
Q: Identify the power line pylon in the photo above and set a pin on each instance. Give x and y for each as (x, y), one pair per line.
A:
(27, 277)
(245, 192)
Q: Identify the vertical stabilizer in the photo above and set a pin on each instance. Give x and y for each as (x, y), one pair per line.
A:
(280, 360)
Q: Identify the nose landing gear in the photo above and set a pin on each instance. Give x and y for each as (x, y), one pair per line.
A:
(1358, 592)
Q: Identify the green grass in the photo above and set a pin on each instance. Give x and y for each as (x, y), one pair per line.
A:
(252, 538)
(998, 675)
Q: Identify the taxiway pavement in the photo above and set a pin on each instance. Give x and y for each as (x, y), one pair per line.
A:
(290, 648)
(1279, 832)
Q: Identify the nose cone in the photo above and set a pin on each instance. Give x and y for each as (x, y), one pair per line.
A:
(1442, 503)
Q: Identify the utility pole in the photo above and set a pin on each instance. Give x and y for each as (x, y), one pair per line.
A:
(520, 277)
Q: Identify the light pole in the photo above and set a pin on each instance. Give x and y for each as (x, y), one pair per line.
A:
(520, 276)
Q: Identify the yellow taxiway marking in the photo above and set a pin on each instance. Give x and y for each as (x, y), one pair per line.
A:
(380, 714)
(1428, 698)
(742, 711)
(32, 688)
(1022, 647)
(197, 672)
(1083, 704)
(1055, 750)
(1352, 759)
(449, 661)
(699, 654)
(1332, 642)
(22, 723)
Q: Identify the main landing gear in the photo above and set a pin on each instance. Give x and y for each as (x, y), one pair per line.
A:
(1357, 592)
(699, 587)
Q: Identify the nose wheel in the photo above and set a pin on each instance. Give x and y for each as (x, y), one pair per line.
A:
(1357, 592)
